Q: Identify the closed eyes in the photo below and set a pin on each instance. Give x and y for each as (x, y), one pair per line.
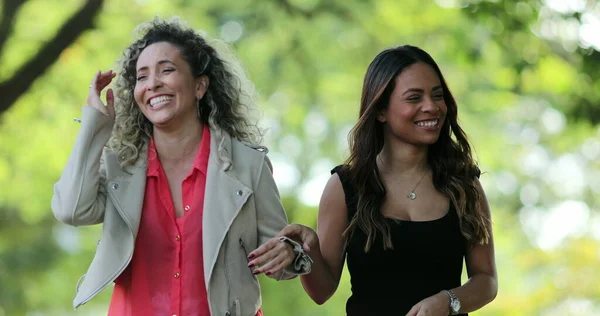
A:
(166, 70)
(437, 96)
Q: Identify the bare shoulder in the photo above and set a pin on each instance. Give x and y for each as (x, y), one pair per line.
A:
(334, 190)
(484, 202)
(331, 224)
(333, 200)
(478, 185)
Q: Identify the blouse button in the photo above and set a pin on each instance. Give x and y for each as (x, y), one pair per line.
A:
(187, 208)
(239, 192)
(178, 238)
(177, 275)
(115, 186)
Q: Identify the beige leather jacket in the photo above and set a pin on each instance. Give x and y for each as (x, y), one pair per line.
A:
(242, 210)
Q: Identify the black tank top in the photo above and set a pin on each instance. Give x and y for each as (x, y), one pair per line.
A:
(427, 258)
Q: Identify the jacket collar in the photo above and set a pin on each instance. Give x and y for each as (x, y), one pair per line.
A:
(200, 160)
(221, 146)
(140, 163)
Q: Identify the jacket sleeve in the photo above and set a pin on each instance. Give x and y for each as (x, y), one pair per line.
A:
(271, 219)
(80, 193)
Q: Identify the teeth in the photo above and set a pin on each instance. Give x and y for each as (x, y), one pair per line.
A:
(162, 98)
(427, 123)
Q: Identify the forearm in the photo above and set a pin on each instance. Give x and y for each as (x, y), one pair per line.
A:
(320, 284)
(480, 290)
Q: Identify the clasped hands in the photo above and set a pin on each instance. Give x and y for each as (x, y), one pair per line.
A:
(275, 255)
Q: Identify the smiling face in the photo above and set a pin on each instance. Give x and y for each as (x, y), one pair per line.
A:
(416, 110)
(166, 91)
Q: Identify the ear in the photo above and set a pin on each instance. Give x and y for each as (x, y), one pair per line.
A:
(202, 83)
(381, 117)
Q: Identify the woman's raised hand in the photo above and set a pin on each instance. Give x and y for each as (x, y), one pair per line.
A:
(100, 81)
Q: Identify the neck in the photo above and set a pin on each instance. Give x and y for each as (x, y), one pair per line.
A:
(400, 158)
(176, 144)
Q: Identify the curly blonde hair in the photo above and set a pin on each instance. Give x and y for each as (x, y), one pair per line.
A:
(225, 106)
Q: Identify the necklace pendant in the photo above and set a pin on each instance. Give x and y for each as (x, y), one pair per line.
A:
(412, 195)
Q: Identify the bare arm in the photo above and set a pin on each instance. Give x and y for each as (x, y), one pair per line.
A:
(479, 290)
(482, 286)
(328, 251)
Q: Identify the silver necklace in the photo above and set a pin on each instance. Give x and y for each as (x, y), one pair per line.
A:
(412, 195)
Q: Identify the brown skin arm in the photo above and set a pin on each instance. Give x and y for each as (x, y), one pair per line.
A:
(326, 247)
(482, 286)
(479, 290)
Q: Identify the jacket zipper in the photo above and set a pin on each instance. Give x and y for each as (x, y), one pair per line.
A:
(247, 253)
(120, 270)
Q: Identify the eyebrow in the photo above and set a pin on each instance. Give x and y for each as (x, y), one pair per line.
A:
(160, 62)
(438, 87)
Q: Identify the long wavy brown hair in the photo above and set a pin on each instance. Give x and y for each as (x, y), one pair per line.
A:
(227, 104)
(454, 170)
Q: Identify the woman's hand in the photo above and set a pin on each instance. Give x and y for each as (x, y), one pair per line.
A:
(302, 234)
(99, 82)
(274, 255)
(436, 305)
(271, 257)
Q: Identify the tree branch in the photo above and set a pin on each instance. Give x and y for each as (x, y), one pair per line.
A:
(10, 9)
(19, 83)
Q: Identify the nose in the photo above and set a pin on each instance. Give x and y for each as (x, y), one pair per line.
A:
(153, 83)
(430, 106)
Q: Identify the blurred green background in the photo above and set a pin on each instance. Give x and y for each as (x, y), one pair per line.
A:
(526, 75)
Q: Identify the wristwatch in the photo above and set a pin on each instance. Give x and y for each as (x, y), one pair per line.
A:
(454, 302)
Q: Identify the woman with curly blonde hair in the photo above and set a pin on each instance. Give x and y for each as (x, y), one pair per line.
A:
(184, 190)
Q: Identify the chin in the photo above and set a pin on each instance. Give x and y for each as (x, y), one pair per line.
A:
(429, 142)
(158, 121)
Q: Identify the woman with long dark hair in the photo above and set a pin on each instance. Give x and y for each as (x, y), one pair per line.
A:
(407, 207)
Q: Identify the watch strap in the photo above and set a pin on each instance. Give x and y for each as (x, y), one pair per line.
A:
(453, 299)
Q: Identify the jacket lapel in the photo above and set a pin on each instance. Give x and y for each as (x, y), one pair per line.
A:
(223, 199)
(224, 195)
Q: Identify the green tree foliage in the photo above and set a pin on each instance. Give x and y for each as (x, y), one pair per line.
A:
(524, 74)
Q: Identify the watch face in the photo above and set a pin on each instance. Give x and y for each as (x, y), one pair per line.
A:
(455, 305)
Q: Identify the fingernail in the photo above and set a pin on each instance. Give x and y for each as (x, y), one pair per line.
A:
(256, 272)
(250, 256)
(250, 265)
(268, 273)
